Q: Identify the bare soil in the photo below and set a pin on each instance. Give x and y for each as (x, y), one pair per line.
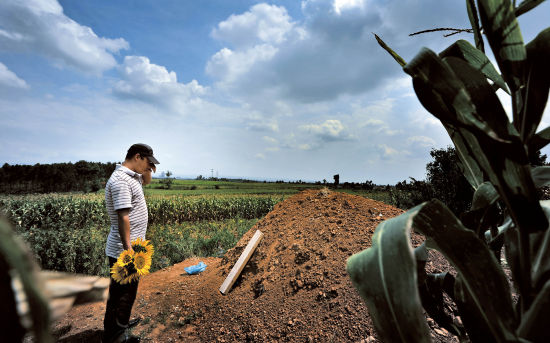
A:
(294, 288)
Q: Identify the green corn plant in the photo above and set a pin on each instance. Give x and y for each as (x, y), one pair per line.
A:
(458, 86)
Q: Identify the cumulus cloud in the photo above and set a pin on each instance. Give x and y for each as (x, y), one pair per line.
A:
(259, 124)
(331, 52)
(422, 141)
(10, 80)
(261, 24)
(270, 140)
(329, 131)
(387, 152)
(146, 81)
(41, 26)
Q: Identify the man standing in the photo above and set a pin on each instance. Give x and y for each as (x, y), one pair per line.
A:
(127, 210)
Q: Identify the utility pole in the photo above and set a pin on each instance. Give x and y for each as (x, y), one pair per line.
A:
(212, 171)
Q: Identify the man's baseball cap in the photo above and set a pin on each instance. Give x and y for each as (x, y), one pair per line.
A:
(144, 150)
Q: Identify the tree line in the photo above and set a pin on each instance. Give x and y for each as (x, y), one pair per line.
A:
(82, 176)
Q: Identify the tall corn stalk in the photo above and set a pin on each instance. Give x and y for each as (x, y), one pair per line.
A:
(458, 86)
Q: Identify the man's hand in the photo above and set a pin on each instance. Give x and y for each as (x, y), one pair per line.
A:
(147, 176)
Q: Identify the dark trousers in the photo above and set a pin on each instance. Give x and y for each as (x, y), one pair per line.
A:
(119, 307)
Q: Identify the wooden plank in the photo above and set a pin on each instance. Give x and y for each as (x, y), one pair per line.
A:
(241, 262)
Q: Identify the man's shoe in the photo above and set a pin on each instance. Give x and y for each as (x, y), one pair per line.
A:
(132, 339)
(126, 338)
(134, 322)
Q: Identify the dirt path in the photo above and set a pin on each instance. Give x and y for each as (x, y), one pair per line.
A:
(295, 287)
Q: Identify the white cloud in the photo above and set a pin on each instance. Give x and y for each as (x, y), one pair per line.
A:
(41, 26)
(270, 140)
(329, 131)
(347, 5)
(263, 23)
(330, 53)
(229, 66)
(387, 152)
(146, 81)
(10, 80)
(422, 141)
(259, 124)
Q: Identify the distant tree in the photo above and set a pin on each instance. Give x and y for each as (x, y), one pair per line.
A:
(447, 180)
(336, 180)
(167, 180)
(444, 181)
(537, 159)
(368, 185)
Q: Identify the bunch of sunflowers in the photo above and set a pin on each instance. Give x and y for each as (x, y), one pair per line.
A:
(130, 265)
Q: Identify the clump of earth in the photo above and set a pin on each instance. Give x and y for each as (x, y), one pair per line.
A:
(294, 288)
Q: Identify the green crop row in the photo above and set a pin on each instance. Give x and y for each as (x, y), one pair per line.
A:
(69, 233)
(70, 212)
(83, 250)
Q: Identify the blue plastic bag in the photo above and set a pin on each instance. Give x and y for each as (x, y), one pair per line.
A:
(197, 268)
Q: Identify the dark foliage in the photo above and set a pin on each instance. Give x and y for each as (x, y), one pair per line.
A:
(81, 176)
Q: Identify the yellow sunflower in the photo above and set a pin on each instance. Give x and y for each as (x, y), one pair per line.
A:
(125, 257)
(142, 263)
(118, 272)
(140, 245)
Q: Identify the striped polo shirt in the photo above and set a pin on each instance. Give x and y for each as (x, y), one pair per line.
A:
(124, 190)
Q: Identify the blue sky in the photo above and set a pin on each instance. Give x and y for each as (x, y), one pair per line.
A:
(265, 90)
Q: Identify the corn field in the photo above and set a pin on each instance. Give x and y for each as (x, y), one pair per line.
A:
(68, 233)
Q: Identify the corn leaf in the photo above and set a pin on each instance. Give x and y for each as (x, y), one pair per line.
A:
(540, 140)
(538, 84)
(431, 295)
(512, 254)
(541, 176)
(468, 164)
(477, 59)
(484, 196)
(540, 250)
(527, 5)
(482, 276)
(474, 21)
(395, 56)
(472, 317)
(463, 100)
(534, 324)
(20, 260)
(442, 94)
(506, 166)
(504, 36)
(385, 276)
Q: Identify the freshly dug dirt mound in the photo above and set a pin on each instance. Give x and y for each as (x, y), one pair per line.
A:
(294, 288)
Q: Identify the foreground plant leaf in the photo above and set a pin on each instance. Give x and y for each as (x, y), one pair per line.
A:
(20, 260)
(540, 245)
(468, 107)
(474, 21)
(477, 59)
(472, 318)
(482, 276)
(527, 5)
(385, 276)
(541, 176)
(503, 33)
(395, 56)
(385, 273)
(538, 84)
(534, 324)
(540, 140)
